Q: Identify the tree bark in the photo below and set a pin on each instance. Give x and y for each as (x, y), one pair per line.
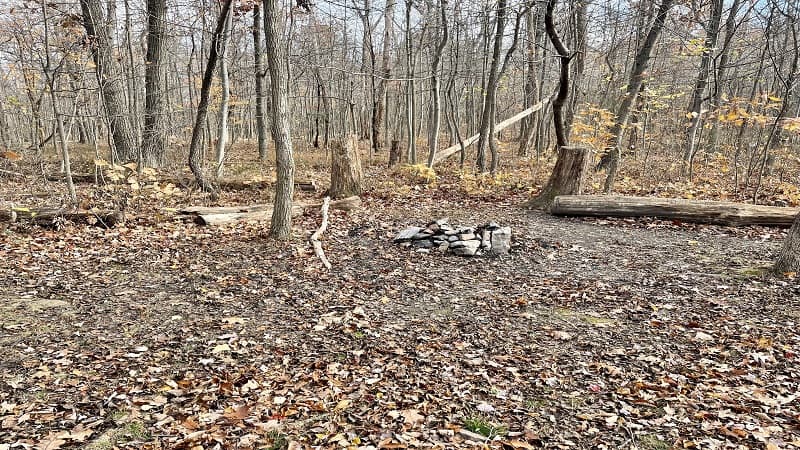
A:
(436, 119)
(789, 256)
(224, 107)
(195, 155)
(379, 106)
(260, 75)
(154, 131)
(281, 225)
(346, 171)
(110, 79)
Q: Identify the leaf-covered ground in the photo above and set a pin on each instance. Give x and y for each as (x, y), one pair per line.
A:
(590, 334)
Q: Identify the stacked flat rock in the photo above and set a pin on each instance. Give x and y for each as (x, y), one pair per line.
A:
(439, 235)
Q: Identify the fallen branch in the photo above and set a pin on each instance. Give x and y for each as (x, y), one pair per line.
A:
(315, 237)
(718, 213)
(205, 215)
(453, 149)
(48, 216)
(11, 174)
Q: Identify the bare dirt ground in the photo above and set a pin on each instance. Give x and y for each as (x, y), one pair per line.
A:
(591, 334)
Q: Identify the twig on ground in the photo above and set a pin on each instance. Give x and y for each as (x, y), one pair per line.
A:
(315, 237)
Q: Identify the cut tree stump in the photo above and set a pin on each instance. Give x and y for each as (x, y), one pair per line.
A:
(699, 211)
(567, 178)
(49, 216)
(205, 215)
(346, 173)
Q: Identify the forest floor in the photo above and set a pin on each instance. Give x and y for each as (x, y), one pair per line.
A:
(591, 333)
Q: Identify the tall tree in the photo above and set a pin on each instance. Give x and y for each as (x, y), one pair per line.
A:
(195, 154)
(154, 119)
(379, 105)
(111, 80)
(568, 173)
(699, 92)
(640, 64)
(260, 76)
(436, 112)
(281, 226)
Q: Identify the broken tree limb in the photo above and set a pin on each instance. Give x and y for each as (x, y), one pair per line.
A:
(48, 216)
(315, 237)
(453, 149)
(700, 211)
(205, 215)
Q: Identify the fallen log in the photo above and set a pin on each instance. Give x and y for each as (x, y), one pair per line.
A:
(443, 154)
(49, 216)
(82, 178)
(700, 211)
(205, 215)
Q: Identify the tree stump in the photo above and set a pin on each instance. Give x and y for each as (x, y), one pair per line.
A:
(395, 154)
(346, 171)
(567, 177)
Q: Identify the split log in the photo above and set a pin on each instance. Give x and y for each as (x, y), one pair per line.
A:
(700, 211)
(453, 149)
(49, 216)
(205, 215)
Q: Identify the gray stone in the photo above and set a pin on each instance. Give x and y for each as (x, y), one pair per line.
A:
(423, 243)
(423, 250)
(444, 246)
(442, 221)
(451, 232)
(466, 230)
(501, 240)
(407, 234)
(491, 226)
(466, 236)
(452, 238)
(421, 235)
(466, 248)
(486, 244)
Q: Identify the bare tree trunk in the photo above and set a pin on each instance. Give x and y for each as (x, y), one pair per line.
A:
(699, 91)
(640, 64)
(281, 225)
(570, 169)
(528, 125)
(722, 69)
(436, 115)
(789, 257)
(491, 85)
(110, 79)
(154, 126)
(195, 155)
(224, 107)
(260, 75)
(379, 106)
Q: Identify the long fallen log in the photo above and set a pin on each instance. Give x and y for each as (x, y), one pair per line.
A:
(204, 215)
(443, 154)
(700, 211)
(49, 216)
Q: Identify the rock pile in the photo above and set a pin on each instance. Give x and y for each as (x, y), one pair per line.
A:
(490, 238)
